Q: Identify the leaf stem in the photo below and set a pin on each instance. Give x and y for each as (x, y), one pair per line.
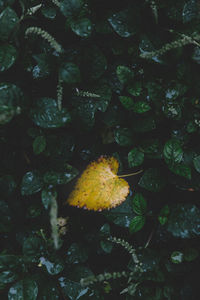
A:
(131, 174)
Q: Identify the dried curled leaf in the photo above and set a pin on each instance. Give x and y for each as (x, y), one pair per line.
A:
(99, 187)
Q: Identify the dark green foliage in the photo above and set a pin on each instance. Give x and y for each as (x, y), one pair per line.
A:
(85, 78)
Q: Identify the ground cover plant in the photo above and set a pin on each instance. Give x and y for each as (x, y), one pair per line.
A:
(91, 80)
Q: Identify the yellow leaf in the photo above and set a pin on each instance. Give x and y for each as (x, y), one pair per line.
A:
(99, 187)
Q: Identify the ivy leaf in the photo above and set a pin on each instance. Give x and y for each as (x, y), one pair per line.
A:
(31, 183)
(135, 158)
(25, 289)
(152, 180)
(139, 204)
(8, 21)
(127, 102)
(54, 178)
(177, 257)
(46, 114)
(137, 223)
(99, 187)
(8, 56)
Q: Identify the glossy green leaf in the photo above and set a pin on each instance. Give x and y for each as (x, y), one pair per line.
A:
(31, 183)
(152, 180)
(123, 136)
(181, 170)
(54, 178)
(196, 162)
(190, 254)
(141, 107)
(26, 289)
(7, 185)
(135, 158)
(49, 12)
(70, 8)
(8, 56)
(139, 204)
(69, 73)
(127, 102)
(47, 115)
(123, 23)
(135, 88)
(173, 152)
(39, 144)
(177, 257)
(76, 254)
(124, 74)
(137, 223)
(53, 266)
(183, 221)
(11, 101)
(82, 27)
(163, 215)
(8, 21)
(9, 268)
(33, 248)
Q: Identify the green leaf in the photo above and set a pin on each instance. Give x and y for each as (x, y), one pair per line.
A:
(69, 73)
(137, 223)
(196, 162)
(33, 248)
(8, 21)
(152, 180)
(123, 137)
(7, 185)
(76, 253)
(135, 158)
(31, 183)
(181, 170)
(54, 178)
(49, 12)
(177, 257)
(163, 215)
(152, 148)
(173, 152)
(139, 204)
(47, 195)
(124, 74)
(53, 266)
(25, 289)
(135, 88)
(82, 27)
(121, 215)
(8, 56)
(127, 102)
(141, 107)
(71, 8)
(46, 114)
(183, 221)
(11, 101)
(39, 144)
(190, 254)
(123, 23)
(10, 267)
